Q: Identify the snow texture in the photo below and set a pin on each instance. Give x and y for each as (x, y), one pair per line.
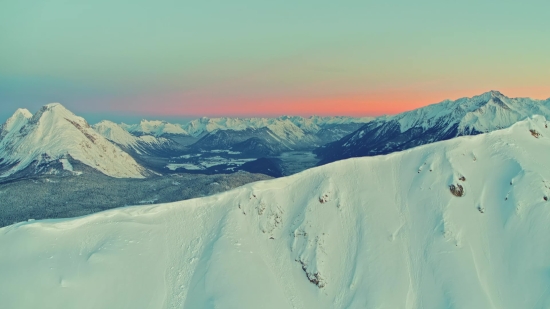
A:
(373, 232)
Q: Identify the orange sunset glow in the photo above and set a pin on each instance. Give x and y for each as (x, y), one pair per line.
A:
(374, 104)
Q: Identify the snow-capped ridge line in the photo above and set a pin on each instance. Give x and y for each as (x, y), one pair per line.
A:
(203, 125)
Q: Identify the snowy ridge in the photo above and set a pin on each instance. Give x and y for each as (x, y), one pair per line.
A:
(283, 125)
(54, 134)
(154, 127)
(461, 223)
(115, 133)
(483, 113)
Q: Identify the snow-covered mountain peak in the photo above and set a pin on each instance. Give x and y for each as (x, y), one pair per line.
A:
(15, 122)
(22, 112)
(54, 105)
(54, 110)
(55, 133)
(114, 132)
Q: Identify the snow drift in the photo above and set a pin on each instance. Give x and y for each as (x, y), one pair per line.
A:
(456, 224)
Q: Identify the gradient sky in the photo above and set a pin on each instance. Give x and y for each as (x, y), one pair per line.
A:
(162, 59)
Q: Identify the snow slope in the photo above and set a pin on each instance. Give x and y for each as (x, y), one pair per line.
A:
(373, 232)
(54, 134)
(140, 144)
(466, 116)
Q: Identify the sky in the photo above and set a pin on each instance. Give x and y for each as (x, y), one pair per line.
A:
(122, 59)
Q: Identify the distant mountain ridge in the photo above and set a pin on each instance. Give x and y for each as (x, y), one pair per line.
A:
(204, 125)
(50, 140)
(253, 136)
(487, 112)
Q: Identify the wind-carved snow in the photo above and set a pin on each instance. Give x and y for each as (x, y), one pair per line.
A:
(373, 232)
(55, 133)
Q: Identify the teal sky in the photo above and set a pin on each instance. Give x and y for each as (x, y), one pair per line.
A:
(181, 58)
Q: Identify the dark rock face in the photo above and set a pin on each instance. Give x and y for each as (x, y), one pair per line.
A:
(267, 166)
(456, 190)
(381, 137)
(255, 146)
(249, 141)
(332, 133)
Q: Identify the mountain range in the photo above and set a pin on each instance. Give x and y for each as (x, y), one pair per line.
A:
(253, 136)
(54, 139)
(460, 223)
(484, 113)
(281, 126)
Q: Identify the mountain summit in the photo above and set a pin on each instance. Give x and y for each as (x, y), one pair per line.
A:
(15, 122)
(466, 116)
(54, 134)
